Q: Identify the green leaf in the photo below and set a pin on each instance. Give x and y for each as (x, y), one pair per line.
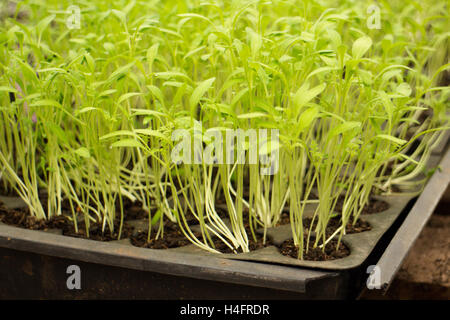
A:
(404, 89)
(252, 115)
(194, 51)
(84, 110)
(237, 97)
(58, 132)
(157, 93)
(151, 132)
(83, 152)
(127, 143)
(46, 103)
(168, 31)
(306, 118)
(335, 37)
(199, 92)
(90, 61)
(343, 127)
(121, 16)
(146, 112)
(43, 24)
(156, 217)
(255, 42)
(360, 47)
(128, 96)
(151, 55)
(194, 15)
(52, 103)
(404, 156)
(171, 74)
(267, 147)
(107, 92)
(391, 138)
(320, 70)
(27, 70)
(305, 95)
(108, 46)
(118, 133)
(8, 89)
(120, 72)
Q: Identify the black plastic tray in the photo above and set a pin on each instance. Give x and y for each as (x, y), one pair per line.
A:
(32, 263)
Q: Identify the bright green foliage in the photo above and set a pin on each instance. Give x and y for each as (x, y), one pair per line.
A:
(95, 108)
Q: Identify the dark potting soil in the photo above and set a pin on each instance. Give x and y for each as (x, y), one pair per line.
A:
(284, 219)
(135, 211)
(222, 210)
(191, 219)
(360, 225)
(253, 244)
(173, 238)
(22, 218)
(95, 231)
(288, 248)
(132, 210)
(7, 193)
(373, 206)
(335, 222)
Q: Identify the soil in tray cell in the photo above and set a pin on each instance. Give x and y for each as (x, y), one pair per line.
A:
(96, 231)
(374, 206)
(22, 218)
(288, 248)
(335, 223)
(252, 244)
(173, 238)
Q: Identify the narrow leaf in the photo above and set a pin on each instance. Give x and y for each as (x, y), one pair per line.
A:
(199, 92)
(360, 47)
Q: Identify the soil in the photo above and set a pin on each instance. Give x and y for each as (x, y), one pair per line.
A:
(374, 206)
(284, 219)
(22, 218)
(359, 226)
(10, 10)
(335, 223)
(288, 248)
(425, 273)
(429, 259)
(313, 196)
(7, 192)
(132, 210)
(222, 210)
(252, 244)
(191, 219)
(96, 233)
(173, 238)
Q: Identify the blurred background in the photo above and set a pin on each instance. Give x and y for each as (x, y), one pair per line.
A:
(425, 274)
